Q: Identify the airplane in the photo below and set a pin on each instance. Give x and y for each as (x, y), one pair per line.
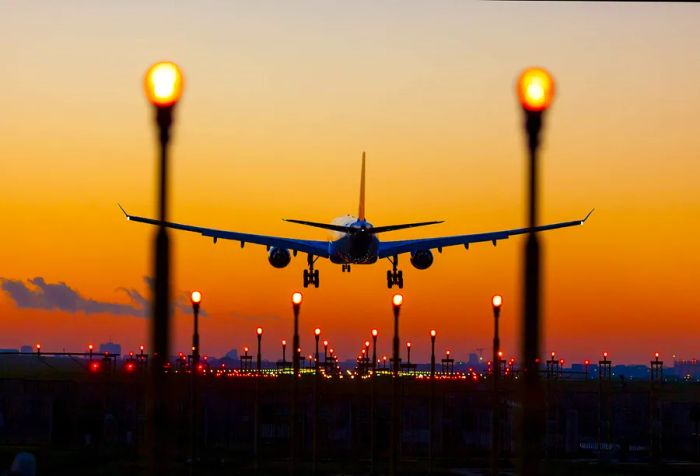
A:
(356, 242)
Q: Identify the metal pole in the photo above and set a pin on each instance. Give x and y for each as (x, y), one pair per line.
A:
(395, 428)
(159, 403)
(259, 356)
(495, 420)
(532, 414)
(195, 389)
(295, 384)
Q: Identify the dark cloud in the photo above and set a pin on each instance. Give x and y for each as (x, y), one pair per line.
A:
(38, 294)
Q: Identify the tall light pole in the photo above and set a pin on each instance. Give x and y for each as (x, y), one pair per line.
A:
(296, 305)
(259, 331)
(496, 303)
(196, 299)
(317, 336)
(284, 352)
(375, 333)
(163, 85)
(325, 353)
(396, 301)
(408, 352)
(433, 334)
(535, 91)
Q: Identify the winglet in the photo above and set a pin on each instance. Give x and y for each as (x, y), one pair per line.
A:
(361, 211)
(124, 211)
(589, 214)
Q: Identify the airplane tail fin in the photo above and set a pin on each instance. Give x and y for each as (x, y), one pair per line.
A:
(361, 211)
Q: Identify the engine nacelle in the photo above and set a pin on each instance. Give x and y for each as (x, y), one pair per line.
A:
(422, 259)
(279, 257)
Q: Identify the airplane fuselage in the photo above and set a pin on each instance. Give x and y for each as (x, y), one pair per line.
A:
(358, 247)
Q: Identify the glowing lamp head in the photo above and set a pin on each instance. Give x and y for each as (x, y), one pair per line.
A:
(284, 342)
(408, 344)
(500, 354)
(397, 300)
(497, 301)
(553, 354)
(535, 89)
(90, 347)
(259, 330)
(245, 349)
(296, 298)
(433, 333)
(317, 331)
(196, 297)
(38, 347)
(656, 355)
(586, 362)
(375, 332)
(325, 343)
(163, 84)
(141, 348)
(447, 353)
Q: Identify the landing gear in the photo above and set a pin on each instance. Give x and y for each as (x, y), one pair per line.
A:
(345, 267)
(311, 274)
(394, 276)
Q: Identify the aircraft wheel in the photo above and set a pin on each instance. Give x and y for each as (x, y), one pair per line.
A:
(400, 279)
(348, 268)
(315, 278)
(306, 278)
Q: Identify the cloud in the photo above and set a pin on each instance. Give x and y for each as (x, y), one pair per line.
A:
(38, 294)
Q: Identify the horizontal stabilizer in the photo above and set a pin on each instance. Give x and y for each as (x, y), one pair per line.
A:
(325, 226)
(382, 229)
(349, 229)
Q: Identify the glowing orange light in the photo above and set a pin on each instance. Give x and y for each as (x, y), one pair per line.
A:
(196, 297)
(397, 300)
(656, 355)
(535, 89)
(497, 301)
(375, 332)
(433, 333)
(408, 344)
(586, 362)
(325, 343)
(284, 342)
(245, 349)
(38, 347)
(500, 354)
(90, 347)
(163, 84)
(296, 298)
(330, 351)
(553, 354)
(259, 331)
(448, 353)
(605, 354)
(142, 348)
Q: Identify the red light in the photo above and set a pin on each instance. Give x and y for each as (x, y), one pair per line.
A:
(408, 344)
(284, 342)
(605, 354)
(260, 331)
(375, 332)
(317, 331)
(586, 362)
(141, 348)
(129, 367)
(90, 347)
(95, 366)
(366, 343)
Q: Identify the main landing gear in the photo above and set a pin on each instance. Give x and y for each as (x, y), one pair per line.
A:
(311, 274)
(345, 267)
(394, 276)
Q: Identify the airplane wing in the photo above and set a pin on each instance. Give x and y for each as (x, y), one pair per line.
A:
(391, 248)
(316, 248)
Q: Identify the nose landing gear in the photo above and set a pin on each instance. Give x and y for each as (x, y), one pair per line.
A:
(311, 274)
(345, 267)
(394, 276)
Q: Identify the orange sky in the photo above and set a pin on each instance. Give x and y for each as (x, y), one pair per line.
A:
(280, 102)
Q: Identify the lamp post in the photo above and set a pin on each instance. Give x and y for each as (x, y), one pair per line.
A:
(496, 303)
(196, 299)
(296, 305)
(433, 334)
(90, 348)
(284, 352)
(317, 336)
(535, 89)
(397, 301)
(259, 331)
(163, 85)
(375, 334)
(325, 352)
(38, 350)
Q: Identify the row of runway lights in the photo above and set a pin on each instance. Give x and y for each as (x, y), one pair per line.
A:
(135, 361)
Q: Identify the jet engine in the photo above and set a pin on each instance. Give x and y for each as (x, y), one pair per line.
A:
(279, 257)
(421, 259)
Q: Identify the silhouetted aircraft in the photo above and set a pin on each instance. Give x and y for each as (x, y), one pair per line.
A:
(356, 242)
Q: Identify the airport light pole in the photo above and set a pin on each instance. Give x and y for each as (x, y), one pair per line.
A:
(259, 331)
(397, 301)
(535, 89)
(196, 299)
(496, 303)
(163, 85)
(296, 305)
(90, 348)
(375, 334)
(284, 352)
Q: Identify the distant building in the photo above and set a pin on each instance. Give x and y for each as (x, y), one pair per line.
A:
(473, 361)
(8, 351)
(26, 349)
(686, 369)
(111, 348)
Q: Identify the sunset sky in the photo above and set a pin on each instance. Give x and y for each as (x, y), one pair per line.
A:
(280, 100)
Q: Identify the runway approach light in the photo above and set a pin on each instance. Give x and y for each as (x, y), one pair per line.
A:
(535, 89)
(296, 298)
(317, 331)
(375, 332)
(163, 84)
(260, 331)
(196, 297)
(397, 300)
(433, 333)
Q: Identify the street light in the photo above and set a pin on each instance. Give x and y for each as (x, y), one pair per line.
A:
(259, 331)
(317, 335)
(535, 89)
(38, 349)
(396, 301)
(433, 334)
(90, 348)
(284, 351)
(325, 352)
(296, 304)
(496, 303)
(375, 334)
(408, 351)
(196, 299)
